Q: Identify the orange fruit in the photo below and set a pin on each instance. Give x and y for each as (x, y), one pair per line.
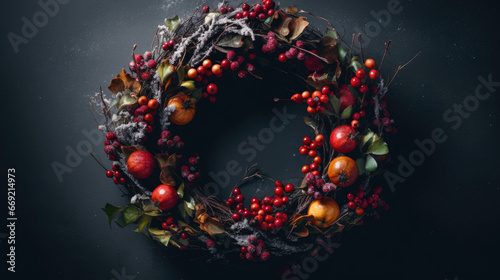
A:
(207, 63)
(140, 164)
(143, 100)
(343, 171)
(192, 73)
(370, 63)
(325, 211)
(153, 104)
(216, 69)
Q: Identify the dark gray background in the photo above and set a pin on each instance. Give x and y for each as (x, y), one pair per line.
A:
(443, 217)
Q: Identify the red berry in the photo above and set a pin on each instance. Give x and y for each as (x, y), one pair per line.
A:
(355, 82)
(377, 189)
(355, 123)
(324, 99)
(164, 226)
(239, 198)
(305, 169)
(236, 216)
(325, 90)
(109, 173)
(169, 220)
(262, 16)
(245, 7)
(312, 153)
(238, 15)
(282, 57)
(306, 141)
(206, 9)
(117, 174)
(362, 113)
(184, 236)
(230, 9)
(116, 181)
(270, 12)
(278, 223)
(278, 202)
(110, 136)
(165, 47)
(361, 73)
(350, 196)
(279, 190)
(303, 151)
(289, 188)
(254, 200)
(223, 10)
(313, 146)
(351, 204)
(297, 98)
(252, 15)
(285, 199)
(356, 116)
(212, 88)
(373, 74)
(225, 64)
(363, 88)
(236, 191)
(244, 14)
(313, 166)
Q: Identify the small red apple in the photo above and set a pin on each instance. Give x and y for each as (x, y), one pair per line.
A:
(166, 196)
(141, 164)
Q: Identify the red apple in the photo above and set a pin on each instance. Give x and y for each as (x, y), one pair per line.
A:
(141, 164)
(166, 196)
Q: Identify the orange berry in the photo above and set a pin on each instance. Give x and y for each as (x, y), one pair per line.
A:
(306, 95)
(316, 94)
(192, 73)
(320, 139)
(317, 160)
(311, 110)
(153, 104)
(207, 63)
(370, 63)
(216, 69)
(149, 118)
(360, 211)
(143, 100)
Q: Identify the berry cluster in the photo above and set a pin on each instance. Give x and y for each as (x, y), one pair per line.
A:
(203, 73)
(261, 212)
(146, 112)
(361, 201)
(293, 52)
(317, 187)
(255, 250)
(166, 140)
(310, 148)
(170, 225)
(143, 66)
(315, 101)
(190, 170)
(116, 175)
(110, 145)
(168, 45)
(261, 10)
(271, 43)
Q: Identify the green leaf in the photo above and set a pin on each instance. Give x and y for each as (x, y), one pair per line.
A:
(331, 32)
(231, 40)
(335, 103)
(371, 164)
(365, 137)
(378, 147)
(211, 16)
(172, 23)
(188, 85)
(111, 211)
(180, 191)
(310, 122)
(342, 52)
(346, 113)
(197, 94)
(125, 101)
(165, 70)
(181, 73)
(189, 205)
(361, 165)
(354, 92)
(355, 64)
(143, 222)
(131, 214)
(162, 236)
(113, 103)
(182, 210)
(148, 205)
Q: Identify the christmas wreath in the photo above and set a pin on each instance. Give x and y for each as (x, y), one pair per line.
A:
(346, 103)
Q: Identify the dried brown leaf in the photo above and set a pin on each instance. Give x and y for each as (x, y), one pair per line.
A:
(124, 81)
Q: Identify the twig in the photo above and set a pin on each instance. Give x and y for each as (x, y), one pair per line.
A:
(400, 67)
(385, 52)
(305, 12)
(361, 47)
(311, 53)
(98, 161)
(352, 44)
